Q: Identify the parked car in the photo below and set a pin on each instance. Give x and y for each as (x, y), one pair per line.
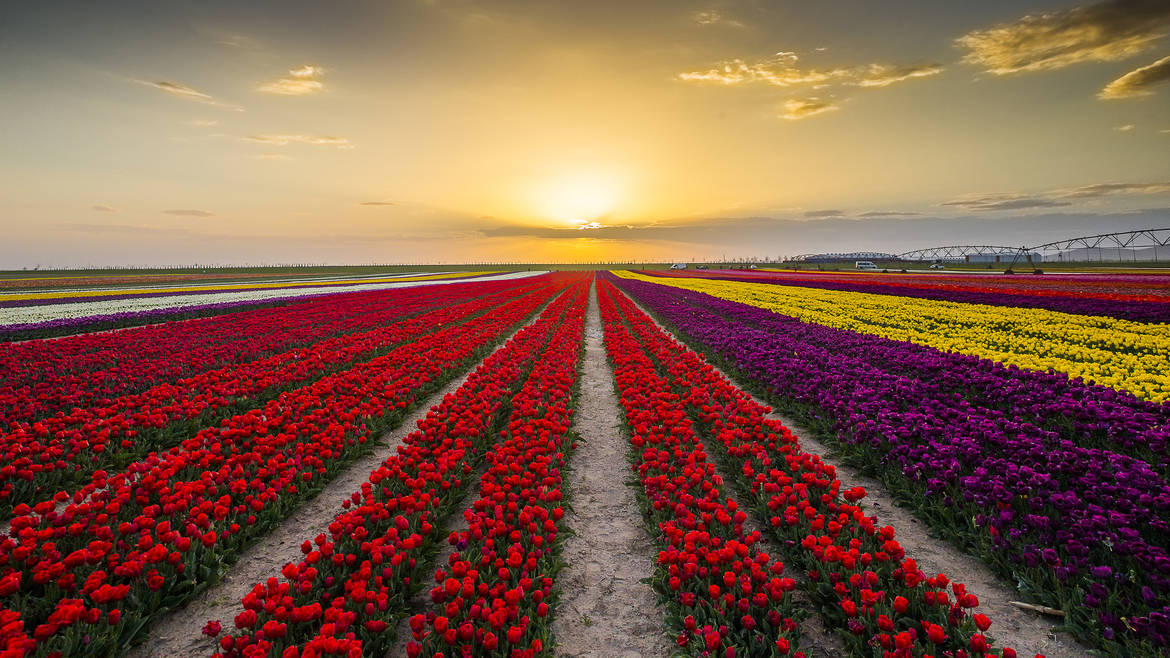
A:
(865, 265)
(679, 266)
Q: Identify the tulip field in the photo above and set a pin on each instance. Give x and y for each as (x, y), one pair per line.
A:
(148, 453)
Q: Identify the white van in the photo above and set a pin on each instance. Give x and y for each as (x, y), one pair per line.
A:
(865, 265)
(679, 266)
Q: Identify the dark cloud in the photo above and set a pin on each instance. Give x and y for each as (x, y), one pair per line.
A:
(1138, 81)
(773, 236)
(1109, 189)
(888, 213)
(1004, 202)
(1105, 31)
(823, 213)
(189, 213)
(1055, 198)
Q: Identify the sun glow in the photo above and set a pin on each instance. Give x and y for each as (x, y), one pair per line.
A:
(578, 198)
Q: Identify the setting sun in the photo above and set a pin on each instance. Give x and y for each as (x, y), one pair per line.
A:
(577, 198)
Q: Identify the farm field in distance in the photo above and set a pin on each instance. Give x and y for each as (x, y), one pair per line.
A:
(498, 462)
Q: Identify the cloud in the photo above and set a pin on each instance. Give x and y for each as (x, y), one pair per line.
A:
(291, 87)
(813, 214)
(1125, 128)
(1138, 81)
(714, 17)
(189, 213)
(101, 208)
(803, 108)
(1098, 190)
(751, 235)
(302, 81)
(181, 90)
(1008, 201)
(888, 213)
(271, 156)
(307, 71)
(1105, 31)
(781, 70)
(883, 75)
(238, 41)
(284, 139)
(203, 123)
(377, 203)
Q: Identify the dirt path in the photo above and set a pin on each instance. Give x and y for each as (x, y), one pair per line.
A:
(604, 609)
(179, 633)
(1027, 632)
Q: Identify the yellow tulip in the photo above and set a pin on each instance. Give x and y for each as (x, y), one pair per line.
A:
(1129, 356)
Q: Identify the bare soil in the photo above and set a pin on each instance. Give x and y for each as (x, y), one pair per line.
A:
(604, 609)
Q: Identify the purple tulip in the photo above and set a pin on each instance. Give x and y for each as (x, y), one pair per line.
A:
(1062, 478)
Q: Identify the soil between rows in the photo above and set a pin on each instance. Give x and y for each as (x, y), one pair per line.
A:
(604, 609)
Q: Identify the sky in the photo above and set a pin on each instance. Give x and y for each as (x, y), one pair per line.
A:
(430, 131)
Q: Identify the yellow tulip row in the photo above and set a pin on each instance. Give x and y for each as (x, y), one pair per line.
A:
(1129, 356)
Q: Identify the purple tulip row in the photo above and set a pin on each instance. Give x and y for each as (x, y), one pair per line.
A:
(1085, 529)
(1120, 309)
(1090, 415)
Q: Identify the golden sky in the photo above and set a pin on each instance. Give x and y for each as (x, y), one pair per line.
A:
(464, 130)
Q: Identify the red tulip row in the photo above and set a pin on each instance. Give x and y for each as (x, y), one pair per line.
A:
(349, 590)
(87, 571)
(493, 596)
(865, 585)
(723, 595)
(46, 377)
(63, 451)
